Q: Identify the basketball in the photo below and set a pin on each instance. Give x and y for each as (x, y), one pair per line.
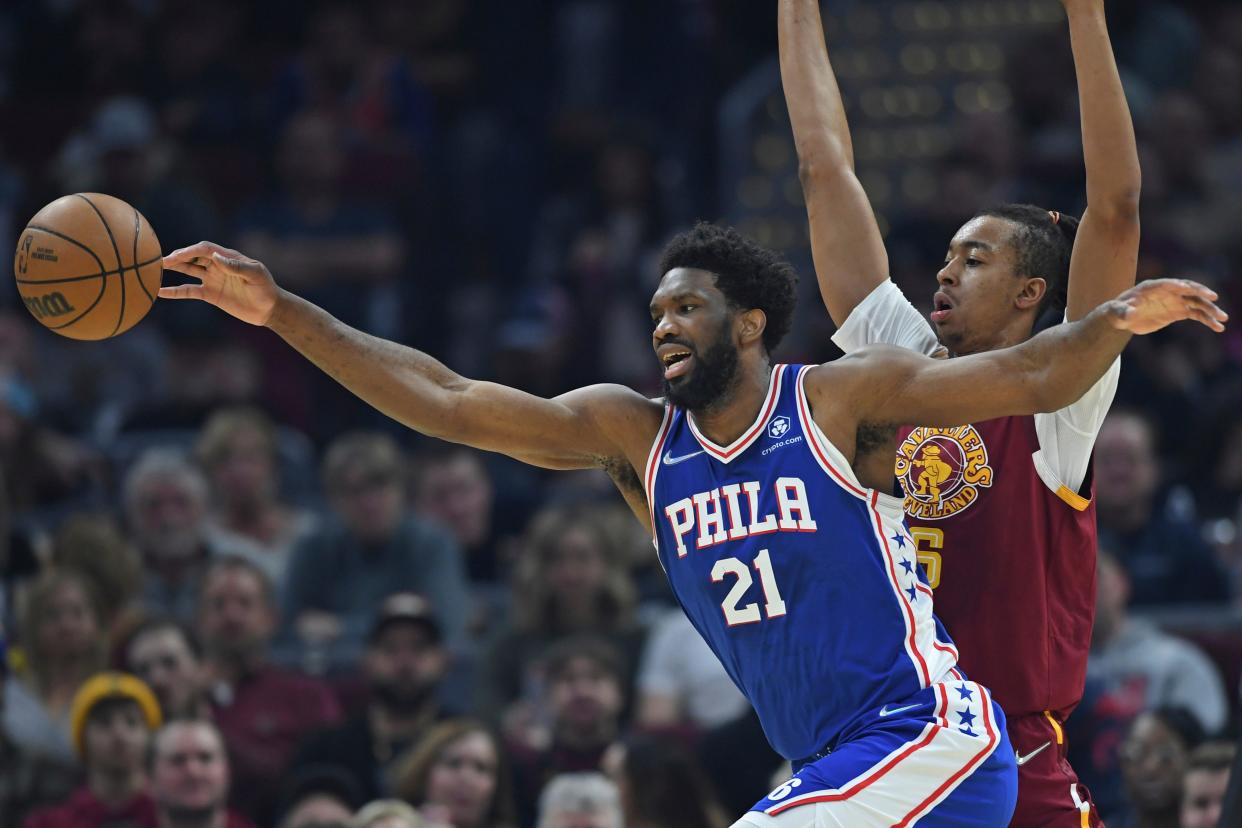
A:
(88, 266)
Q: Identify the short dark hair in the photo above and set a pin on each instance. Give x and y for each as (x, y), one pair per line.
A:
(236, 563)
(159, 623)
(748, 274)
(591, 647)
(1212, 756)
(1043, 244)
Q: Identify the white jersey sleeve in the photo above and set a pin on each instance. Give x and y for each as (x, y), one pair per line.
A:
(1066, 437)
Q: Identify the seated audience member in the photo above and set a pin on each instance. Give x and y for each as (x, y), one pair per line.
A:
(570, 580)
(319, 797)
(457, 777)
(1132, 660)
(1204, 784)
(661, 786)
(389, 813)
(167, 656)
(371, 548)
(114, 715)
(190, 778)
(580, 800)
(64, 646)
(404, 663)
(166, 506)
(94, 546)
(681, 683)
(1153, 764)
(453, 488)
(27, 781)
(1166, 558)
(238, 451)
(262, 711)
(583, 700)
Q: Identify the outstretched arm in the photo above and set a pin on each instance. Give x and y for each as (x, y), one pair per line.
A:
(584, 428)
(849, 255)
(893, 386)
(1105, 258)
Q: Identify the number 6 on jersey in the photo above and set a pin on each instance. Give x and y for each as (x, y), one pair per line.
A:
(774, 606)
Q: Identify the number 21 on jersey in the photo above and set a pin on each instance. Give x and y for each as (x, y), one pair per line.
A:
(735, 612)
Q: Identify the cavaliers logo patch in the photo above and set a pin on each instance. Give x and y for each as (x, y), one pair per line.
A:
(942, 470)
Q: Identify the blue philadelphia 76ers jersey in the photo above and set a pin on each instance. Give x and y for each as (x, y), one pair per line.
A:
(804, 583)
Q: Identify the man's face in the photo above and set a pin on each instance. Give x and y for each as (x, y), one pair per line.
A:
(370, 501)
(693, 338)
(1152, 762)
(115, 737)
(69, 626)
(167, 517)
(404, 665)
(190, 777)
(977, 286)
(235, 618)
(585, 696)
(1126, 469)
(163, 659)
(456, 491)
(1203, 793)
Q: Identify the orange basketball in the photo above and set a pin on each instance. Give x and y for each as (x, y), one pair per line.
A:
(88, 266)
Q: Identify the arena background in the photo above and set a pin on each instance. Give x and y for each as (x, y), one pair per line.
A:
(492, 182)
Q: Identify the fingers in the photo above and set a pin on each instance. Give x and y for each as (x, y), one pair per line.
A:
(181, 292)
(201, 250)
(191, 267)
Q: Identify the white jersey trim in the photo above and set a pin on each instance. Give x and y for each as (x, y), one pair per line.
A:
(1066, 437)
(653, 470)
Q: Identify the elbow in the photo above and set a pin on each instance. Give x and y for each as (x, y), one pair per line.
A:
(1118, 210)
(820, 167)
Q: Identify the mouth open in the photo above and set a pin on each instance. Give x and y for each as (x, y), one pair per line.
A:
(676, 362)
(943, 306)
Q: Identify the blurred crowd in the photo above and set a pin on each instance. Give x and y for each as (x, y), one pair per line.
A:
(234, 596)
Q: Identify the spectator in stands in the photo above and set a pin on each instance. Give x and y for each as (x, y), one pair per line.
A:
(371, 548)
(583, 700)
(42, 466)
(262, 711)
(1153, 763)
(1166, 558)
(681, 683)
(1131, 657)
(166, 504)
(580, 800)
(190, 778)
(661, 786)
(404, 663)
(27, 780)
(319, 797)
(167, 656)
(389, 813)
(114, 715)
(237, 448)
(63, 646)
(93, 545)
(1204, 784)
(453, 488)
(457, 776)
(571, 579)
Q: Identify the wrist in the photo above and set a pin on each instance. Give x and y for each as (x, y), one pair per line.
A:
(280, 308)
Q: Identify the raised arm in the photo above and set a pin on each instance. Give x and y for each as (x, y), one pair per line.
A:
(849, 255)
(1105, 258)
(589, 427)
(893, 386)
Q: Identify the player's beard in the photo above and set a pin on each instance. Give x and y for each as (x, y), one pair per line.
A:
(714, 373)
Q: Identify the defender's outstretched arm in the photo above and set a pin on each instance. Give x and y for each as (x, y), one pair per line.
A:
(894, 386)
(1105, 258)
(581, 429)
(846, 245)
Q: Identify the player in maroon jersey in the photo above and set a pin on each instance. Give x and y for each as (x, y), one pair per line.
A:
(1002, 510)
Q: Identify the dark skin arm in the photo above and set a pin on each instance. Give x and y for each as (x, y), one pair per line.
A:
(861, 398)
(602, 426)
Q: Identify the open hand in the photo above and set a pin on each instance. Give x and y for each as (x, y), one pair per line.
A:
(232, 281)
(1157, 303)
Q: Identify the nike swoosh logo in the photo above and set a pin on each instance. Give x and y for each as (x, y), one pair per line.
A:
(1022, 760)
(670, 460)
(884, 711)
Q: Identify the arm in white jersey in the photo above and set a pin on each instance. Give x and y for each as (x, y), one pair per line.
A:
(1066, 437)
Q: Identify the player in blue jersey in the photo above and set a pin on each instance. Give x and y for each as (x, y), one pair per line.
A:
(762, 486)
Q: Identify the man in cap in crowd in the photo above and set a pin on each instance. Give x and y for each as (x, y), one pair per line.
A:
(404, 663)
(112, 719)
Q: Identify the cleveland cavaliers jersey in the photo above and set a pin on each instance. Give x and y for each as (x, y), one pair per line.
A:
(804, 583)
(1012, 562)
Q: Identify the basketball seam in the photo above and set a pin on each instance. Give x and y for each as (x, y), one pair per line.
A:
(116, 251)
(137, 272)
(114, 272)
(71, 240)
(103, 287)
